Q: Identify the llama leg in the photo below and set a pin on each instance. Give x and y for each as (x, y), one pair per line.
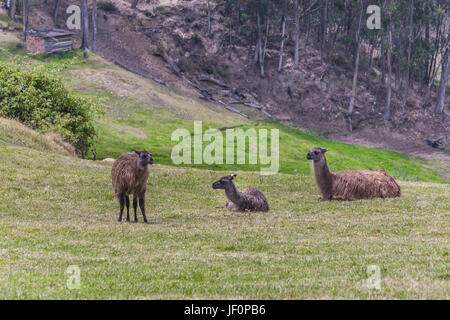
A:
(122, 205)
(127, 198)
(142, 206)
(135, 208)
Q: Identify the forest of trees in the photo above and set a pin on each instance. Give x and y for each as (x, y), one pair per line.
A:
(412, 42)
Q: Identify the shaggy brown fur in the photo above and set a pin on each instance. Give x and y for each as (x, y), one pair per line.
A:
(129, 176)
(248, 200)
(351, 185)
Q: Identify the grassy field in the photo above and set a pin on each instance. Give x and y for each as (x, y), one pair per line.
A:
(57, 210)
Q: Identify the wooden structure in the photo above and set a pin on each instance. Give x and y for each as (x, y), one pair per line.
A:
(49, 41)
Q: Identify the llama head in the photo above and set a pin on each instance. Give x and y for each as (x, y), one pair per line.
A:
(316, 154)
(223, 182)
(145, 157)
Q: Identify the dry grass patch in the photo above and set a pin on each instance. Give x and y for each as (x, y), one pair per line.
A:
(13, 132)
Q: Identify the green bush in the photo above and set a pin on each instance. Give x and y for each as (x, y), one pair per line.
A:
(37, 98)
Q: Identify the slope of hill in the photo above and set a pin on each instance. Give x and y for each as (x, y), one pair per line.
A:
(15, 133)
(140, 113)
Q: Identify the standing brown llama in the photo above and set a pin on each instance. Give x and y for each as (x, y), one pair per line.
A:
(248, 200)
(350, 185)
(129, 176)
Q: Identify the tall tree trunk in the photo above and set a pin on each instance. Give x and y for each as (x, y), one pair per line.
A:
(297, 35)
(433, 76)
(55, 12)
(427, 37)
(256, 54)
(398, 78)
(443, 84)
(383, 64)
(266, 38)
(260, 46)
(308, 25)
(387, 112)
(429, 86)
(372, 47)
(85, 27)
(338, 29)
(134, 4)
(230, 29)
(349, 17)
(324, 26)
(12, 10)
(25, 19)
(355, 73)
(209, 19)
(94, 26)
(283, 33)
(433, 63)
(410, 41)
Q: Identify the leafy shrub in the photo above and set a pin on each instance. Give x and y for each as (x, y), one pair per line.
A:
(107, 6)
(37, 98)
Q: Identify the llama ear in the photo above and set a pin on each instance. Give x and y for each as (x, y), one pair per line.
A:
(137, 152)
(323, 150)
(233, 176)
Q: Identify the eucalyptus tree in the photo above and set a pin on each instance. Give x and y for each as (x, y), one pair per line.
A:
(355, 73)
(12, 9)
(25, 12)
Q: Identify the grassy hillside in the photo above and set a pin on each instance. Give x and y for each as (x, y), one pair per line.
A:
(139, 113)
(58, 211)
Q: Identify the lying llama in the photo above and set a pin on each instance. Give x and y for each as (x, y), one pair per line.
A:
(248, 200)
(129, 176)
(351, 185)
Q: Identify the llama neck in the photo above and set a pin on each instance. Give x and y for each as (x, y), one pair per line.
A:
(323, 177)
(232, 193)
(141, 169)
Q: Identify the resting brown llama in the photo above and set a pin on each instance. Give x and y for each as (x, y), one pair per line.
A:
(129, 176)
(351, 185)
(248, 200)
